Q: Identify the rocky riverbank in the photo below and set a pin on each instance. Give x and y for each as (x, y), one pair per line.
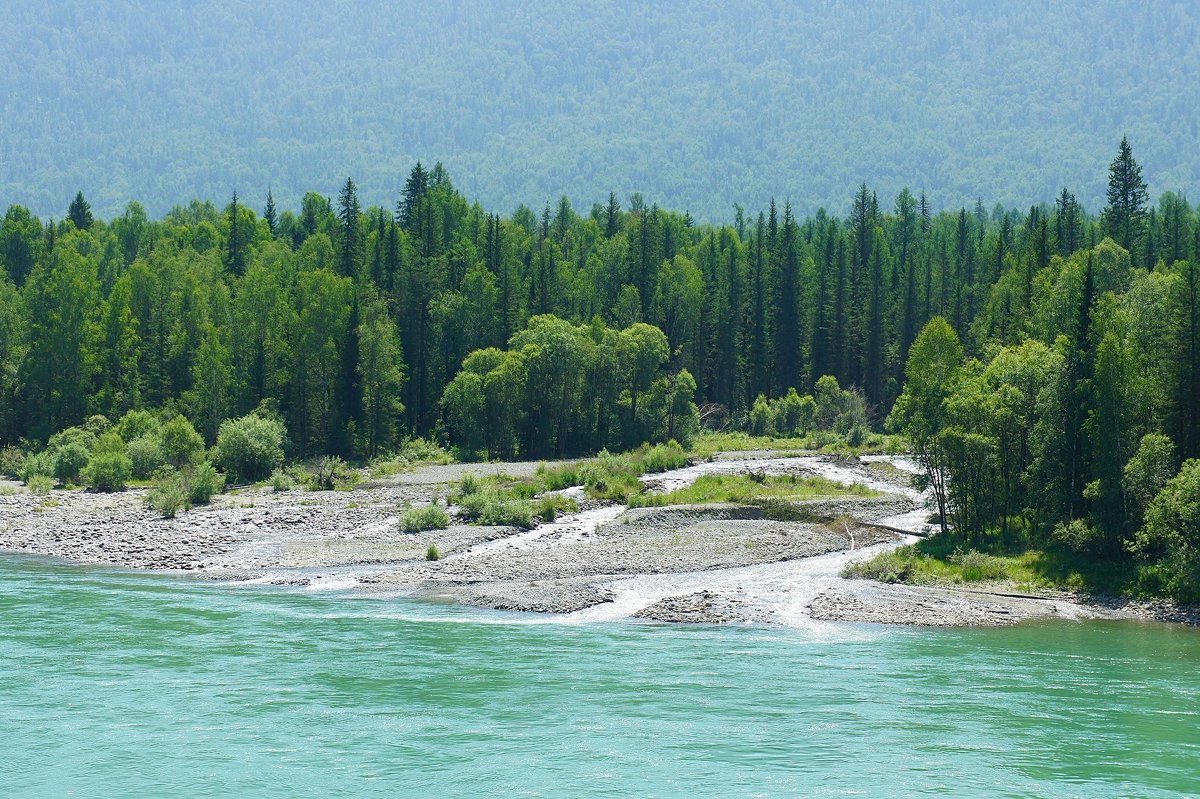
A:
(703, 563)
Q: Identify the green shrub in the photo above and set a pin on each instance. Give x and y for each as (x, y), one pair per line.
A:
(40, 484)
(181, 444)
(201, 482)
(108, 471)
(146, 456)
(429, 517)
(11, 460)
(896, 566)
(168, 497)
(251, 447)
(470, 506)
(282, 481)
(508, 513)
(468, 485)
(39, 465)
(138, 424)
(431, 552)
(548, 507)
(71, 435)
(856, 436)
(663, 458)
(332, 474)
(976, 566)
(69, 461)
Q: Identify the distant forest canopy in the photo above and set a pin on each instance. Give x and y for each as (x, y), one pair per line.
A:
(694, 104)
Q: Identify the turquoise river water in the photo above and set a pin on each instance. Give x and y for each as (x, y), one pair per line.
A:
(117, 684)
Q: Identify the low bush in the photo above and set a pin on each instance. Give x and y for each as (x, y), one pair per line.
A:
(108, 471)
(282, 481)
(429, 517)
(146, 456)
(39, 465)
(138, 424)
(40, 484)
(897, 566)
(69, 461)
(431, 552)
(181, 444)
(468, 485)
(330, 473)
(977, 567)
(663, 457)
(168, 497)
(549, 506)
(508, 513)
(201, 482)
(11, 460)
(250, 448)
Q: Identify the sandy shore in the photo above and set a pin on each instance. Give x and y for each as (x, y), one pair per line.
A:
(712, 563)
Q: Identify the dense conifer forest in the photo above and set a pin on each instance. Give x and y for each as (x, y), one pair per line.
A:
(1044, 363)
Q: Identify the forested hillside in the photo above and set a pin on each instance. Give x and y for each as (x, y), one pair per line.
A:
(696, 105)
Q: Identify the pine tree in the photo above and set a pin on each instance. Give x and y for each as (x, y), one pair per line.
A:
(414, 191)
(1066, 224)
(235, 260)
(80, 213)
(1124, 217)
(270, 215)
(788, 361)
(612, 216)
(350, 231)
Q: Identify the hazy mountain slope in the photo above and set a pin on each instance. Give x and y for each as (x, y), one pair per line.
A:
(696, 105)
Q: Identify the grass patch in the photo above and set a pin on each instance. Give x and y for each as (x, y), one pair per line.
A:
(752, 489)
(412, 453)
(940, 561)
(709, 444)
(429, 517)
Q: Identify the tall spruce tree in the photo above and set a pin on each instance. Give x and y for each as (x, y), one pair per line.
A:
(1124, 217)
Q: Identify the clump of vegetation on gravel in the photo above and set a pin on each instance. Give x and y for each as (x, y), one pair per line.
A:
(915, 565)
(744, 489)
(427, 517)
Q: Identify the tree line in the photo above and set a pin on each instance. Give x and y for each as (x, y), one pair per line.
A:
(351, 322)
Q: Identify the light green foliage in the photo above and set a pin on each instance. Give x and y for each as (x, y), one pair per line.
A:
(40, 484)
(428, 517)
(431, 552)
(281, 481)
(250, 448)
(932, 370)
(181, 444)
(761, 423)
(202, 481)
(752, 489)
(138, 424)
(40, 464)
(168, 497)
(108, 468)
(329, 474)
(69, 461)
(146, 456)
(1148, 471)
(1170, 538)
